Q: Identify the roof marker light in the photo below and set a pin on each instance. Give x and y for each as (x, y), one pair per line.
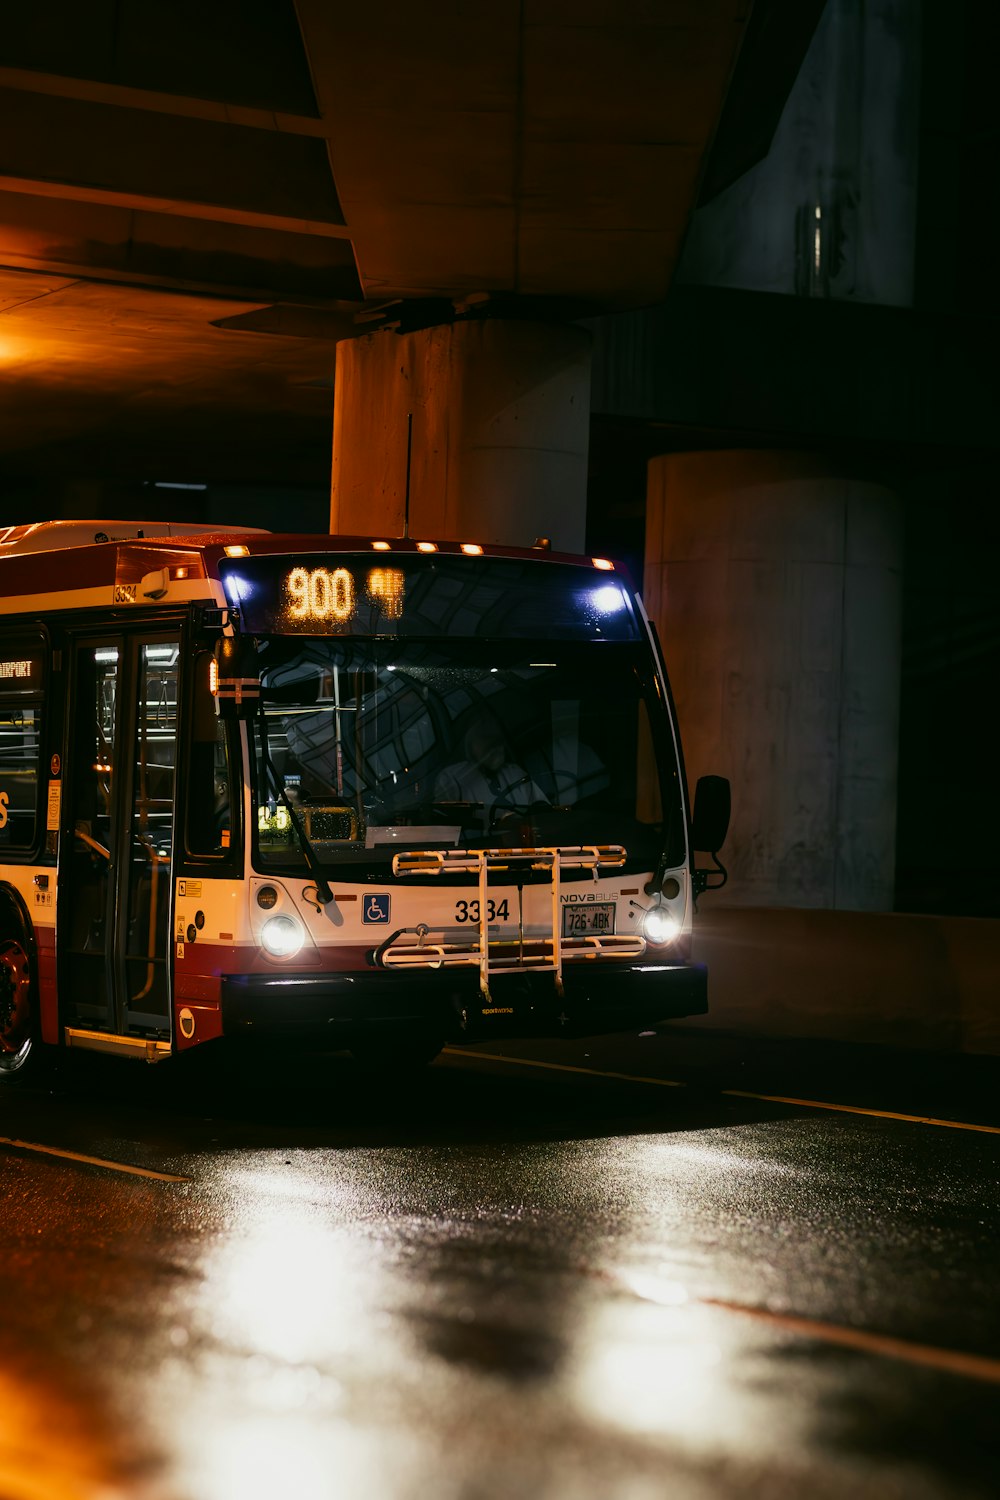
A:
(238, 550)
(603, 563)
(381, 546)
(427, 546)
(472, 549)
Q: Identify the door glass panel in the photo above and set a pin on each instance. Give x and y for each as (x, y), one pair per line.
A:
(146, 934)
(93, 763)
(210, 797)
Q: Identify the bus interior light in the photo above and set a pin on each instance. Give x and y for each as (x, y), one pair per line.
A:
(237, 589)
(381, 546)
(604, 564)
(238, 550)
(427, 546)
(472, 549)
(213, 677)
(608, 600)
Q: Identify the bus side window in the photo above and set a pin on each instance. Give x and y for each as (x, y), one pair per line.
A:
(210, 800)
(19, 748)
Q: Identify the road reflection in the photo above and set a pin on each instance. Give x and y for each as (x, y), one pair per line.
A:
(54, 1443)
(484, 1287)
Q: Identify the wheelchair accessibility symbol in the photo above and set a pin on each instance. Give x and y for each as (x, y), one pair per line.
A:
(375, 909)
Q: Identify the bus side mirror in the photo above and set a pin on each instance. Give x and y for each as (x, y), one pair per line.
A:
(712, 809)
(237, 678)
(709, 826)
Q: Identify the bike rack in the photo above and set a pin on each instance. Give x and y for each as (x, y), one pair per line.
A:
(507, 955)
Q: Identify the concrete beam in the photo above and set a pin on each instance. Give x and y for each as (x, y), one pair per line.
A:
(122, 96)
(510, 148)
(124, 242)
(136, 158)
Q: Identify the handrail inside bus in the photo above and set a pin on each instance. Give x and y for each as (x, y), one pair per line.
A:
(92, 843)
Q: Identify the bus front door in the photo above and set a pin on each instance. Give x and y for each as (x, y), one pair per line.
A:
(114, 887)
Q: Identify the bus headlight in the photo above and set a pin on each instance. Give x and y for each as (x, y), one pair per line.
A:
(281, 936)
(658, 926)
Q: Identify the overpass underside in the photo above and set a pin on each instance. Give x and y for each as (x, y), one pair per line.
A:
(197, 202)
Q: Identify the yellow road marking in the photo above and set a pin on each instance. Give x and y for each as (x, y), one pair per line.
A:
(529, 1062)
(857, 1109)
(977, 1366)
(672, 1083)
(93, 1161)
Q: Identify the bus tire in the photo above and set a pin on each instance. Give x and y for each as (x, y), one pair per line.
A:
(20, 1043)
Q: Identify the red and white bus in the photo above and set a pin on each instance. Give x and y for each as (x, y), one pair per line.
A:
(351, 792)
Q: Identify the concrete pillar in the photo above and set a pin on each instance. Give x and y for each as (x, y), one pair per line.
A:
(501, 416)
(776, 591)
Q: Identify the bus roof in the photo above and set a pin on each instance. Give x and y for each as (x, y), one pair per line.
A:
(50, 536)
(59, 565)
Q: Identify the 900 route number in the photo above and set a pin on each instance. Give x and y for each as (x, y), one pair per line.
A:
(468, 911)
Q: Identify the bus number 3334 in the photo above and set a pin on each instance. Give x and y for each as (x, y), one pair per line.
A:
(468, 911)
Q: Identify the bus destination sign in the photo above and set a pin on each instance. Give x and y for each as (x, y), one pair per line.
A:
(325, 598)
(350, 595)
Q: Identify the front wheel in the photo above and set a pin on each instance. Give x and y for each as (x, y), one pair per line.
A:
(19, 1045)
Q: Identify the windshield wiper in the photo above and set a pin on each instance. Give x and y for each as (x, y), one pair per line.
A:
(324, 894)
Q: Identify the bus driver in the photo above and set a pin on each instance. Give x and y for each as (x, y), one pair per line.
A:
(486, 776)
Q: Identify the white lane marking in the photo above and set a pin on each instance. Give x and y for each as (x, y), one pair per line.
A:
(976, 1366)
(93, 1161)
(672, 1083)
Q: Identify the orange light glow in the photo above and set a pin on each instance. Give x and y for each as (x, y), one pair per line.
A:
(238, 551)
(213, 677)
(386, 588)
(382, 546)
(472, 549)
(603, 564)
(427, 546)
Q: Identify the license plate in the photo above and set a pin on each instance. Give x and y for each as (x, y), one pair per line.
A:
(593, 920)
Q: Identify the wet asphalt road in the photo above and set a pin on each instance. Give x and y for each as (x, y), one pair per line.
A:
(501, 1280)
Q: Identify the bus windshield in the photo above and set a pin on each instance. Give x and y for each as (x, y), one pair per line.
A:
(375, 745)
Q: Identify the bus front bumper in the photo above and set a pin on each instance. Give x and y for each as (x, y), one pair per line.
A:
(336, 1009)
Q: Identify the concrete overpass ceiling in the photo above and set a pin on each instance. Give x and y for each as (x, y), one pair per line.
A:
(197, 200)
(541, 148)
(240, 51)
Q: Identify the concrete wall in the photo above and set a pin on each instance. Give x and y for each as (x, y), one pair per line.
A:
(831, 210)
(898, 980)
(776, 591)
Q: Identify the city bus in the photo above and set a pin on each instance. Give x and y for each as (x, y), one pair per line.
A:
(372, 794)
